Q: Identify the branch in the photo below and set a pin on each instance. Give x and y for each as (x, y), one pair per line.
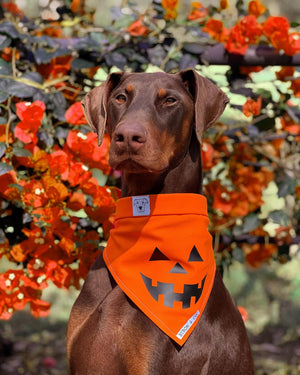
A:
(255, 55)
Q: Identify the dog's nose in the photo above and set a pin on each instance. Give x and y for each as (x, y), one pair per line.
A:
(130, 137)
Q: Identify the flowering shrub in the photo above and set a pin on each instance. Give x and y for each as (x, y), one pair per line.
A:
(57, 191)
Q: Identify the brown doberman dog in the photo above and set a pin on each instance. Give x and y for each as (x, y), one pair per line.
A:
(155, 121)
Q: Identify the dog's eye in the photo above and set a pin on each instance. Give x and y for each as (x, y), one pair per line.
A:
(121, 98)
(170, 100)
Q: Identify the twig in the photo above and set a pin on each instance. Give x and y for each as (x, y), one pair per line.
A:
(9, 121)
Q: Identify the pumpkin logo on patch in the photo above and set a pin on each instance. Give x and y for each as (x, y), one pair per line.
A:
(177, 286)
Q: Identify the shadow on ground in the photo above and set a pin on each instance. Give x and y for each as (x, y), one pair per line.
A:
(271, 295)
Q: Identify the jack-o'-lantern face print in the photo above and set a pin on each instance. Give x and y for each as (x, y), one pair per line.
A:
(171, 283)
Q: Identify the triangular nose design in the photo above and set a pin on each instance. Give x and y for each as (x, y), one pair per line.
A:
(195, 256)
(158, 255)
(178, 269)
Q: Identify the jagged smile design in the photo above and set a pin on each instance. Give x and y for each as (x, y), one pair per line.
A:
(166, 289)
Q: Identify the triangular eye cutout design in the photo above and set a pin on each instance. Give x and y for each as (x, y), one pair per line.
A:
(178, 269)
(195, 256)
(158, 255)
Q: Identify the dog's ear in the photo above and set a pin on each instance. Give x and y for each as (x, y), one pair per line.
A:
(95, 104)
(210, 101)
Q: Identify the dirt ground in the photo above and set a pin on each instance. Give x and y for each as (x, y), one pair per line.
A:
(271, 296)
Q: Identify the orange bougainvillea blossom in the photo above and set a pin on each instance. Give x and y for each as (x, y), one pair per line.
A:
(137, 28)
(170, 7)
(244, 33)
(85, 148)
(258, 253)
(75, 115)
(216, 30)
(198, 11)
(252, 107)
(31, 115)
(276, 29)
(256, 8)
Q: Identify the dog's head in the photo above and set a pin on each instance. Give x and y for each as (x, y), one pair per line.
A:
(150, 116)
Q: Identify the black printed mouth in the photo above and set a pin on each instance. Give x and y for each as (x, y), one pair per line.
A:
(167, 290)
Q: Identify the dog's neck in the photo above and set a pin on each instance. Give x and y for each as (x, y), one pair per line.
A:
(184, 178)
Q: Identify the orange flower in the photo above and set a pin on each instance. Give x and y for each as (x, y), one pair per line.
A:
(76, 201)
(289, 125)
(246, 32)
(247, 70)
(216, 30)
(277, 30)
(7, 54)
(75, 5)
(295, 86)
(67, 245)
(12, 8)
(274, 24)
(258, 253)
(293, 46)
(39, 308)
(198, 11)
(137, 28)
(252, 107)
(75, 115)
(210, 156)
(53, 31)
(224, 4)
(231, 203)
(285, 73)
(170, 7)
(244, 313)
(256, 8)
(6, 180)
(280, 39)
(297, 189)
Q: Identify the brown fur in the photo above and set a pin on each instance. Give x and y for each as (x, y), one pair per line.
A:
(155, 141)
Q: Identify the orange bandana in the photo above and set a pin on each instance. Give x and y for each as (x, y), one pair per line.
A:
(160, 254)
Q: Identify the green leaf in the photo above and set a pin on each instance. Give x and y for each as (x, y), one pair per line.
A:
(5, 67)
(232, 116)
(265, 75)
(266, 89)
(19, 89)
(19, 151)
(279, 217)
(236, 99)
(251, 222)
(33, 76)
(99, 176)
(100, 75)
(4, 168)
(238, 254)
(17, 186)
(216, 73)
(123, 22)
(238, 230)
(287, 186)
(3, 96)
(42, 56)
(80, 213)
(4, 41)
(2, 149)
(82, 64)
(271, 200)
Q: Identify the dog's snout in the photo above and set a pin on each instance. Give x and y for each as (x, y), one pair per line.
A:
(130, 136)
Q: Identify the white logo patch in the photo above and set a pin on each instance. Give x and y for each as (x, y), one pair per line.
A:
(141, 205)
